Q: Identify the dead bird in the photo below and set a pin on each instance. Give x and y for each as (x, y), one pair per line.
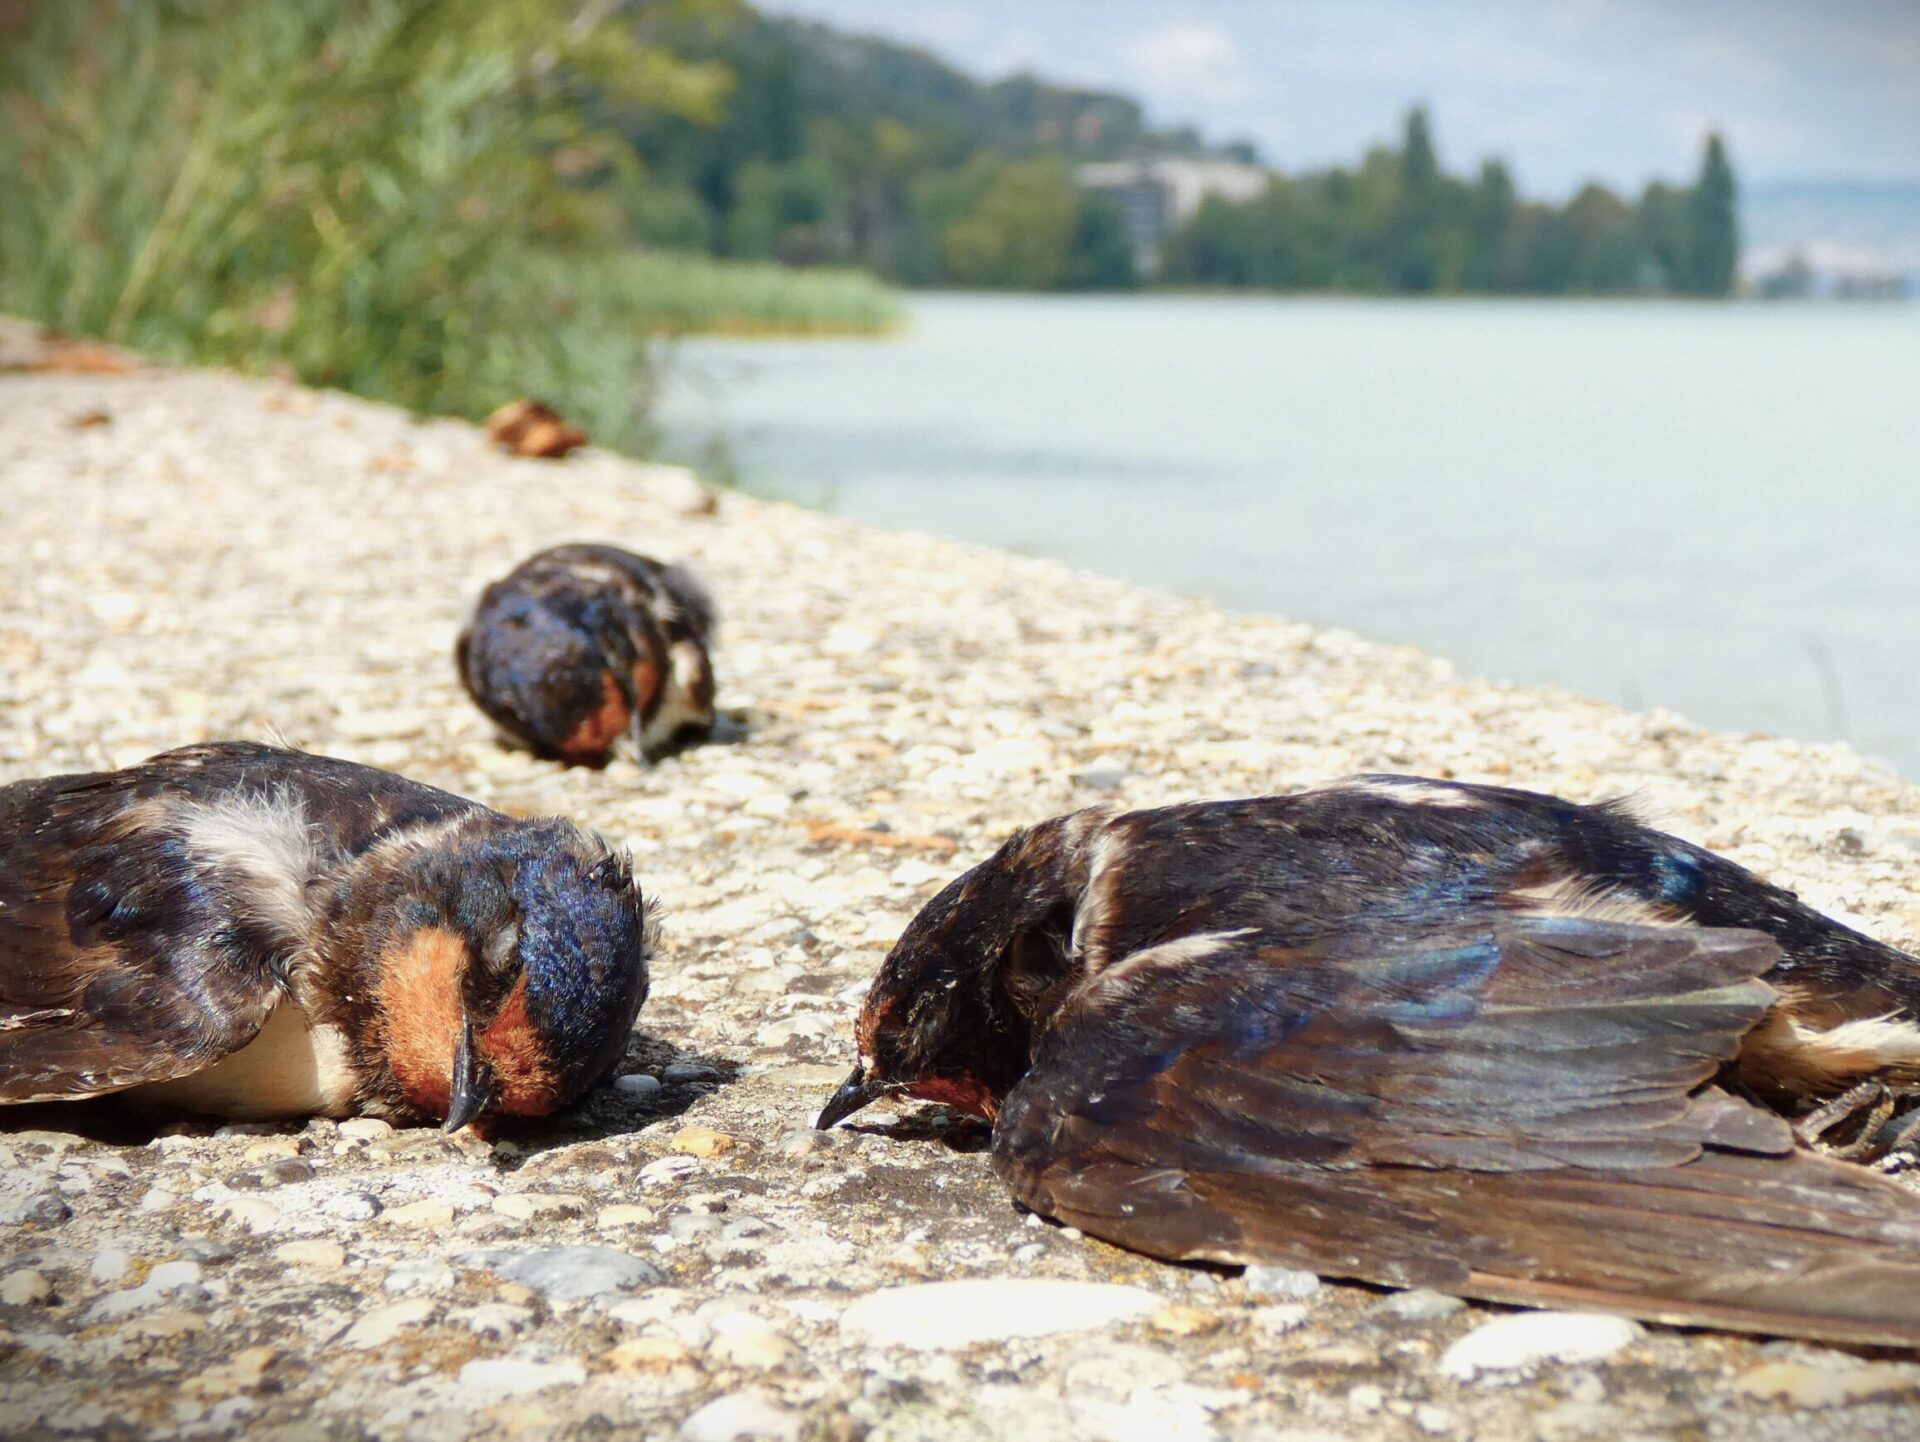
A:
(581, 647)
(251, 931)
(1421, 1034)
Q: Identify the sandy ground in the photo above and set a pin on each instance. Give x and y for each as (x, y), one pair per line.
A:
(190, 556)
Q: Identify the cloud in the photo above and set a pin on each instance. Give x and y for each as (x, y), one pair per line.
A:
(1189, 59)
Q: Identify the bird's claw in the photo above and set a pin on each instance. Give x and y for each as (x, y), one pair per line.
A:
(1870, 1117)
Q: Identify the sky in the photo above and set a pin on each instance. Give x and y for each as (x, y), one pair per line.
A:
(1565, 91)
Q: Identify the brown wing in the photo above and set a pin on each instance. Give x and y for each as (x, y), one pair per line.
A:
(1522, 1113)
(127, 953)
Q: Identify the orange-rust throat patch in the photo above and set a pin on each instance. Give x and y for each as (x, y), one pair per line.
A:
(419, 994)
(523, 1078)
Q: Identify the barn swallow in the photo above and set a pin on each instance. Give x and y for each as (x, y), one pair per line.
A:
(1420, 1034)
(251, 931)
(581, 646)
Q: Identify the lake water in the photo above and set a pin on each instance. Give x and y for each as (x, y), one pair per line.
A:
(1714, 508)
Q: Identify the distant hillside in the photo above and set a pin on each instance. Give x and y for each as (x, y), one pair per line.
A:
(800, 70)
(845, 149)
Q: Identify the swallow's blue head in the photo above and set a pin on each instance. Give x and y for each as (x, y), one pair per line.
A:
(518, 964)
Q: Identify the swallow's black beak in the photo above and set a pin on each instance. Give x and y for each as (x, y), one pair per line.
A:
(855, 1092)
(472, 1082)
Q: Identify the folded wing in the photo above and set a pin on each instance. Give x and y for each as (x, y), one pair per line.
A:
(1520, 1110)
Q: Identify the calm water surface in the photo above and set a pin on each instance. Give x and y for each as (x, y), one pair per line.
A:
(1711, 508)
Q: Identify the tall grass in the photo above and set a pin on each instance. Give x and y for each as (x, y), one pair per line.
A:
(680, 292)
(374, 193)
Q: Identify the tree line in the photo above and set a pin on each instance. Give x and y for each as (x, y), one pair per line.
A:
(1397, 224)
(848, 150)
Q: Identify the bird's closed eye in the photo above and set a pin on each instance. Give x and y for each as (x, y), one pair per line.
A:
(502, 944)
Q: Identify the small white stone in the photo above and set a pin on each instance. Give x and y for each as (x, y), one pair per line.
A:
(365, 1129)
(1280, 1284)
(638, 1084)
(110, 1264)
(352, 1207)
(250, 1212)
(419, 1274)
(25, 1289)
(756, 1348)
(667, 1169)
(751, 1414)
(171, 1276)
(1281, 1317)
(1528, 1338)
(1421, 1305)
(935, 1316)
(494, 1379)
(383, 1323)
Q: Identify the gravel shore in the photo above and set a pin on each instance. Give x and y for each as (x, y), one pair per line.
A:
(191, 556)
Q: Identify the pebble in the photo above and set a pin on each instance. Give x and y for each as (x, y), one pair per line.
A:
(681, 1072)
(648, 1354)
(44, 1209)
(25, 1288)
(757, 1348)
(252, 1213)
(570, 1274)
(494, 1379)
(419, 1274)
(281, 1172)
(427, 1214)
(1118, 1369)
(1180, 1320)
(365, 1129)
(1366, 1398)
(322, 1255)
(352, 1206)
(1420, 1305)
(936, 1316)
(110, 1264)
(702, 1142)
(1799, 1385)
(623, 1214)
(667, 1169)
(242, 1372)
(637, 1085)
(752, 1414)
(1525, 1339)
(1279, 1284)
(690, 1226)
(382, 1324)
(164, 1322)
(272, 1149)
(167, 1279)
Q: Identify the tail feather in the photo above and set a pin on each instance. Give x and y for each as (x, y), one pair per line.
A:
(1796, 1245)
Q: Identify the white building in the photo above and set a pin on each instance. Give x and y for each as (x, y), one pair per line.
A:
(1156, 196)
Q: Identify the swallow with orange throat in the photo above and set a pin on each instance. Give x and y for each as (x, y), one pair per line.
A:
(1421, 1034)
(583, 649)
(250, 931)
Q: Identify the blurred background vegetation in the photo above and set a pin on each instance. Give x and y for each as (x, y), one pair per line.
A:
(448, 205)
(422, 202)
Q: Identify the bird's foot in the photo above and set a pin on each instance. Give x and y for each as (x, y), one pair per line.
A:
(1863, 1123)
(1848, 1126)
